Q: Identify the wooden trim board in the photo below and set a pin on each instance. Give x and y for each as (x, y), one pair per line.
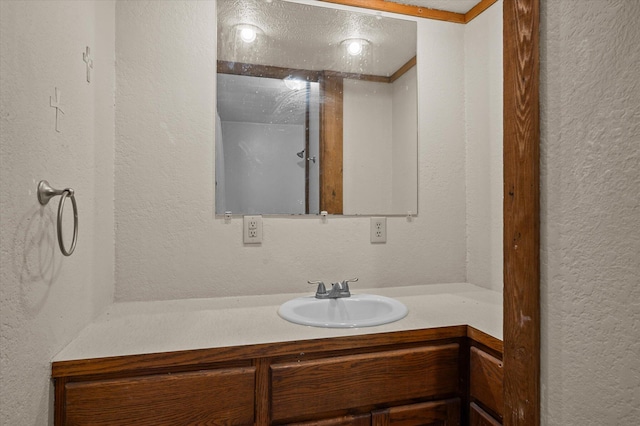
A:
(403, 9)
(477, 10)
(331, 141)
(421, 12)
(521, 213)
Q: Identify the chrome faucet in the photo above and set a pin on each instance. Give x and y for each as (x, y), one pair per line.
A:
(338, 290)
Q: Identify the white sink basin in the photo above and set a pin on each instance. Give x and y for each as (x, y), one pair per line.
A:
(359, 310)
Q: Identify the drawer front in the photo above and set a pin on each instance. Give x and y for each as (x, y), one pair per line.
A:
(357, 420)
(204, 397)
(479, 417)
(437, 413)
(360, 380)
(486, 380)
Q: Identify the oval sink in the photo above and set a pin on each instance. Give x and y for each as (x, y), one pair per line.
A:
(359, 310)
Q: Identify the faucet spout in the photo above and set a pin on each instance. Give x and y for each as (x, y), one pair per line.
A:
(338, 291)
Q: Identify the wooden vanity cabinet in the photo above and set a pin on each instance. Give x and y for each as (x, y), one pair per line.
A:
(418, 377)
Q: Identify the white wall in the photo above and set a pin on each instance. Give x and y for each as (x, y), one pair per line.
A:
(405, 132)
(367, 147)
(590, 167)
(46, 298)
(483, 121)
(263, 174)
(169, 245)
(380, 146)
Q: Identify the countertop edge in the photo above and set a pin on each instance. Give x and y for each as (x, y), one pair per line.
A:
(459, 310)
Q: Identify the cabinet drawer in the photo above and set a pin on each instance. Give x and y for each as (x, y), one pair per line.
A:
(360, 380)
(486, 380)
(203, 397)
(479, 417)
(357, 420)
(441, 413)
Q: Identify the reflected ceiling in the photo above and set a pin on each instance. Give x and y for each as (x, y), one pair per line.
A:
(303, 36)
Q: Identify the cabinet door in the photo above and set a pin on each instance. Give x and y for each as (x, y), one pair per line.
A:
(437, 413)
(197, 398)
(486, 380)
(479, 417)
(361, 420)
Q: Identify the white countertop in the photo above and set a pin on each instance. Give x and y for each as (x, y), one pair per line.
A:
(134, 328)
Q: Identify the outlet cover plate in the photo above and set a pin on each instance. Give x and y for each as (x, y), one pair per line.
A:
(378, 229)
(252, 229)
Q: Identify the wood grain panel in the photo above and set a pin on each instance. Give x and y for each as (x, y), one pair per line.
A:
(479, 417)
(359, 380)
(263, 391)
(437, 413)
(486, 380)
(331, 141)
(198, 398)
(521, 213)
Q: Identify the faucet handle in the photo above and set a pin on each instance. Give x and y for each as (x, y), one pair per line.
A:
(321, 288)
(345, 283)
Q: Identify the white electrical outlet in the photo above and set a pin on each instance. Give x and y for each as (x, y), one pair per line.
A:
(252, 229)
(378, 229)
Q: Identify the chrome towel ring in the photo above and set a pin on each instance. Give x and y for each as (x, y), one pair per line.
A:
(45, 193)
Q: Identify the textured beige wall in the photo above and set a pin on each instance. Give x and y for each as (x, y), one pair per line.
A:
(46, 298)
(590, 135)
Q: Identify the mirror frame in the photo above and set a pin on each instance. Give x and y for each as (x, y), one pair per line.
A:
(521, 194)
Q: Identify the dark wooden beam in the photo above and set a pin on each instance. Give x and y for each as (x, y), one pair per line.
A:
(331, 138)
(521, 213)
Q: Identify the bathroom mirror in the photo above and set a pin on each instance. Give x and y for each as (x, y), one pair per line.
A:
(316, 110)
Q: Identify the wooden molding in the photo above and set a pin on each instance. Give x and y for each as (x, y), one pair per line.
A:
(477, 10)
(355, 76)
(404, 9)
(267, 71)
(421, 12)
(307, 145)
(331, 141)
(403, 69)
(521, 213)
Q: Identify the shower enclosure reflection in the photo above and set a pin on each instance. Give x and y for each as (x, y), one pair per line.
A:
(317, 110)
(269, 130)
